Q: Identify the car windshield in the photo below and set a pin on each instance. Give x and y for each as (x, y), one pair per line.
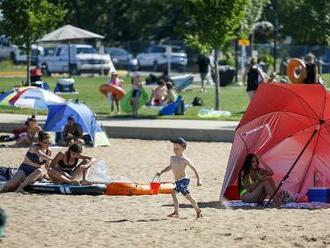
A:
(85, 50)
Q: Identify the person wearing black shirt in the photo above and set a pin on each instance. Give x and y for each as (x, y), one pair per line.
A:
(311, 70)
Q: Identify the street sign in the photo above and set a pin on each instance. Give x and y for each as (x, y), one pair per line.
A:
(244, 42)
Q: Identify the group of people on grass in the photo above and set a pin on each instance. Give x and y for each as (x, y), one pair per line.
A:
(164, 93)
(256, 76)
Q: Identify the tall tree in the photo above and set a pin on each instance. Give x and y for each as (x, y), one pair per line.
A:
(306, 21)
(26, 21)
(212, 24)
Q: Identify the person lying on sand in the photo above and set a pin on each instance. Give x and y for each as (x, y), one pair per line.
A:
(33, 167)
(178, 164)
(255, 184)
(66, 168)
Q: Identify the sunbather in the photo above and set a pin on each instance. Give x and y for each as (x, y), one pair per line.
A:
(33, 167)
(66, 167)
(255, 184)
(159, 94)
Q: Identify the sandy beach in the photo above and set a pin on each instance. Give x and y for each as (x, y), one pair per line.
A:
(104, 221)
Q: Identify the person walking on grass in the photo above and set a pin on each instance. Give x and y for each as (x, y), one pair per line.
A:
(178, 164)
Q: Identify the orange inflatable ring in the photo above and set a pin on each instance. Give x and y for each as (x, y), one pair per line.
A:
(294, 65)
(123, 188)
(116, 91)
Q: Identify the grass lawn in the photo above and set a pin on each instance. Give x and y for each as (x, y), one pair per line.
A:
(232, 98)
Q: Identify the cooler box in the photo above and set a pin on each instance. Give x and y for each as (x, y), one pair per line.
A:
(319, 194)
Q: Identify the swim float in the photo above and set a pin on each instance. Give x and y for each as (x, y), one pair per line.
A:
(126, 188)
(126, 105)
(294, 65)
(115, 90)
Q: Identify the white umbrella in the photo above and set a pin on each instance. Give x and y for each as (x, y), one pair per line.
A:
(69, 32)
(36, 98)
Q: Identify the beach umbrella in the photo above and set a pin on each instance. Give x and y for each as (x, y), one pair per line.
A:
(288, 127)
(35, 98)
(8, 95)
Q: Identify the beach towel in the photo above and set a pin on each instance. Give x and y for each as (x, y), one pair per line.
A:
(289, 205)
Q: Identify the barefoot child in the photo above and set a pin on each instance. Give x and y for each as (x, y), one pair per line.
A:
(178, 164)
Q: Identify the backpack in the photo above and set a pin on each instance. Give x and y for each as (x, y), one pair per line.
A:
(197, 101)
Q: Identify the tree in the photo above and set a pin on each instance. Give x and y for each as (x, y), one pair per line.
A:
(306, 21)
(212, 24)
(26, 21)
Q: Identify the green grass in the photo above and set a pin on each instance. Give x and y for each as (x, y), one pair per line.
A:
(232, 98)
(7, 65)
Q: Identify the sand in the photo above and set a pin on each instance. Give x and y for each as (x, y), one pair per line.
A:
(104, 221)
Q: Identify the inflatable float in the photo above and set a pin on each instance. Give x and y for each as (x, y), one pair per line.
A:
(125, 103)
(295, 65)
(65, 189)
(116, 91)
(129, 189)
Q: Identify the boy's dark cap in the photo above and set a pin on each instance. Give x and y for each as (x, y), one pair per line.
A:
(70, 117)
(179, 140)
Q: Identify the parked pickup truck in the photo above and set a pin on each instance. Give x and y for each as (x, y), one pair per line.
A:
(78, 59)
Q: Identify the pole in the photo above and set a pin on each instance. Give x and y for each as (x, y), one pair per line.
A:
(168, 53)
(236, 60)
(275, 33)
(293, 165)
(217, 80)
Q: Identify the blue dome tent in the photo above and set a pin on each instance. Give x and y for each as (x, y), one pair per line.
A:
(59, 113)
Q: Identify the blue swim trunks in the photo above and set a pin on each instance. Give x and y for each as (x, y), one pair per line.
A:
(181, 186)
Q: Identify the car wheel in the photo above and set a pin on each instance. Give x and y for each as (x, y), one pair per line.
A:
(155, 66)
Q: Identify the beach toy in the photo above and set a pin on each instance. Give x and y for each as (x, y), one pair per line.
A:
(155, 185)
(170, 108)
(129, 189)
(211, 113)
(295, 65)
(126, 105)
(115, 90)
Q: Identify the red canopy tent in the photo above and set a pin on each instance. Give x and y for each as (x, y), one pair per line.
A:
(288, 127)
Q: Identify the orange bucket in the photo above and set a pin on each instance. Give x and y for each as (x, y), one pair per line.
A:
(155, 186)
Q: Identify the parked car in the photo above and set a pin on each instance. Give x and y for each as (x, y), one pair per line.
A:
(10, 51)
(83, 59)
(121, 58)
(19, 56)
(6, 48)
(157, 58)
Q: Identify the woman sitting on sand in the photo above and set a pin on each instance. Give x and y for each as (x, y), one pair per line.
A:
(27, 138)
(65, 167)
(255, 184)
(33, 167)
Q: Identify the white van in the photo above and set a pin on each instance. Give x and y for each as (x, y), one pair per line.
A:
(82, 59)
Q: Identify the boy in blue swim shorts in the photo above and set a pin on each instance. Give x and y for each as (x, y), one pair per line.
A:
(178, 164)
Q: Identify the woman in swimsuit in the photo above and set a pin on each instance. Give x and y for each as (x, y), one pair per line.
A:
(29, 137)
(66, 168)
(255, 184)
(33, 167)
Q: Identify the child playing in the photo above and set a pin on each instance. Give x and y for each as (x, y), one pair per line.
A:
(178, 165)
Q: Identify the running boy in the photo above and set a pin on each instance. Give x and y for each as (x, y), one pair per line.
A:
(178, 164)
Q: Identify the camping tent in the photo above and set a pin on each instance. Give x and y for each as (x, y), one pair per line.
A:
(57, 119)
(288, 127)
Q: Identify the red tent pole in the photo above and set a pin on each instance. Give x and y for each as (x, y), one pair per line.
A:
(293, 165)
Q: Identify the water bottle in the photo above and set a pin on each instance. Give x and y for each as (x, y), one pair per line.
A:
(99, 173)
